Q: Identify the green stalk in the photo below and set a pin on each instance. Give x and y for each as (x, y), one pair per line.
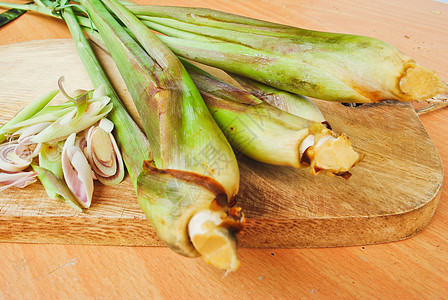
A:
(28, 7)
(179, 180)
(329, 66)
(132, 142)
(271, 135)
(266, 133)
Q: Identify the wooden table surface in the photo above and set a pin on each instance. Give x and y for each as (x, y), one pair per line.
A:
(411, 269)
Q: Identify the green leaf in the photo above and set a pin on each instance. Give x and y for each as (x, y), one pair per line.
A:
(11, 15)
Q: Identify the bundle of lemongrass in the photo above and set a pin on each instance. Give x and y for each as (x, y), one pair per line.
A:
(188, 199)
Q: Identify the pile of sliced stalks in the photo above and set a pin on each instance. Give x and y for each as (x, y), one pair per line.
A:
(66, 146)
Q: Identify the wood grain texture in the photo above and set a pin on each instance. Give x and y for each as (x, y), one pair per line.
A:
(415, 268)
(392, 194)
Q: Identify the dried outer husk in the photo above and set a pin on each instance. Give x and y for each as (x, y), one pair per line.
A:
(190, 154)
(271, 135)
(330, 66)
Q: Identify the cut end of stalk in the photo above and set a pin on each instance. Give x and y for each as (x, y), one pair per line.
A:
(335, 155)
(327, 152)
(215, 243)
(419, 83)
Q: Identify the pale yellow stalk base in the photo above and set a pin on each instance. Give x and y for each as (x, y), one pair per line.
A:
(419, 83)
(215, 243)
(335, 155)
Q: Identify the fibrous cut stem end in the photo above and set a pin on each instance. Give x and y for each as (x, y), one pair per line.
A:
(215, 243)
(328, 152)
(419, 83)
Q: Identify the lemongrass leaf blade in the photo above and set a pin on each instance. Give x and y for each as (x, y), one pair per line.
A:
(10, 15)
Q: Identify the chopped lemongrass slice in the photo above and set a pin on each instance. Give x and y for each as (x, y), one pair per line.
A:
(26, 149)
(10, 161)
(49, 115)
(103, 153)
(77, 172)
(50, 158)
(34, 107)
(97, 108)
(18, 179)
(56, 187)
(26, 132)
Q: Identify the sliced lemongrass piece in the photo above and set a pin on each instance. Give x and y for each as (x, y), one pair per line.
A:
(50, 159)
(56, 187)
(103, 153)
(18, 179)
(97, 108)
(26, 149)
(216, 244)
(48, 114)
(10, 161)
(26, 132)
(100, 91)
(34, 107)
(77, 172)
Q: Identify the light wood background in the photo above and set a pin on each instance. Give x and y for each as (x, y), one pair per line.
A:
(412, 268)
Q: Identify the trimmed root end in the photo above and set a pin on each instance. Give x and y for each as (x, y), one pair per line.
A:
(215, 243)
(419, 83)
(335, 155)
(327, 152)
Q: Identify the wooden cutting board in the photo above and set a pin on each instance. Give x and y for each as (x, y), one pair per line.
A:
(392, 194)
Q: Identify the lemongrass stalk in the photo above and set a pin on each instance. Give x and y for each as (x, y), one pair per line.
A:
(132, 142)
(29, 111)
(329, 66)
(10, 15)
(26, 7)
(271, 135)
(135, 150)
(265, 133)
(182, 179)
